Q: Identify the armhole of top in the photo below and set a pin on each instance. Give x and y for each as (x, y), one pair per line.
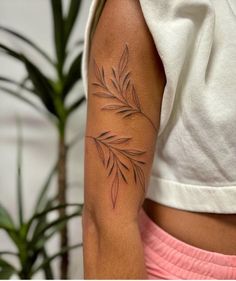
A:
(93, 18)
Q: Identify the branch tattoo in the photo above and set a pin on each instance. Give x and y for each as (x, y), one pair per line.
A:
(116, 157)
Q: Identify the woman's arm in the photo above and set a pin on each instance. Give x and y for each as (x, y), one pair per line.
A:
(126, 82)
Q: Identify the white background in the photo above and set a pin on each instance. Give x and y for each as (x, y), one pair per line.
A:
(33, 18)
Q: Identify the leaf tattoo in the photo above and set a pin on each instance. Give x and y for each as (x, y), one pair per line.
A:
(120, 91)
(119, 160)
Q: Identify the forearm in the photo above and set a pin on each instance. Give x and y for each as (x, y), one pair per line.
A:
(114, 252)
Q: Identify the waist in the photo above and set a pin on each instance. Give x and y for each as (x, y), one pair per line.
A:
(208, 231)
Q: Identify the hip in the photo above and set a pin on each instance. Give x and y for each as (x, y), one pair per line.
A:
(167, 257)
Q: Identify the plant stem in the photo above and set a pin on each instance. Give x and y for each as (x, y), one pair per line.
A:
(62, 180)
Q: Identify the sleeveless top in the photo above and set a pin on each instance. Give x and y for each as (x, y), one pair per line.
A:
(194, 165)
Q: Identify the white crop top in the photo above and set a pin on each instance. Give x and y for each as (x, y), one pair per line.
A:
(194, 166)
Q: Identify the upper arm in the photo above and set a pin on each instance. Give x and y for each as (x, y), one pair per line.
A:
(125, 87)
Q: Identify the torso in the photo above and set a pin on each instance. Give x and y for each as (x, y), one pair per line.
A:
(211, 232)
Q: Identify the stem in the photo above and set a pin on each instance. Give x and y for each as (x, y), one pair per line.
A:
(149, 119)
(62, 180)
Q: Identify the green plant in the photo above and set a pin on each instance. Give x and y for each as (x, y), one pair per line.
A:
(30, 235)
(53, 93)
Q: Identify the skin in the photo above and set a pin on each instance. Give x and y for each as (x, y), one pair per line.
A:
(111, 237)
(110, 227)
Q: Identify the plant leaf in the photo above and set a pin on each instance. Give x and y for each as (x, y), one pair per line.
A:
(41, 201)
(42, 87)
(73, 75)
(6, 221)
(41, 84)
(123, 61)
(29, 102)
(6, 270)
(53, 224)
(59, 36)
(75, 105)
(20, 85)
(47, 268)
(29, 42)
(63, 250)
(71, 18)
(19, 174)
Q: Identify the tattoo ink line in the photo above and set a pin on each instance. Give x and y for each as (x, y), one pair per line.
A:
(115, 157)
(124, 98)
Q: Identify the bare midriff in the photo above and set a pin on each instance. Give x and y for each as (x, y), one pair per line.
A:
(208, 231)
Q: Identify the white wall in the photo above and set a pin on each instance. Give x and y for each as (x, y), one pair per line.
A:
(32, 18)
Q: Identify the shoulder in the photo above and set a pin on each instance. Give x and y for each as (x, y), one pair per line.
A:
(121, 20)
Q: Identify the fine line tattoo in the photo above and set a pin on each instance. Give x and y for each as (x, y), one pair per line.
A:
(120, 91)
(119, 161)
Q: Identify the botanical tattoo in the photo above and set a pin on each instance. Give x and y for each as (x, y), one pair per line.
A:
(122, 94)
(119, 161)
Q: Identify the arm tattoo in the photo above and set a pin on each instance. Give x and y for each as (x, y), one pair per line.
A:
(122, 93)
(119, 161)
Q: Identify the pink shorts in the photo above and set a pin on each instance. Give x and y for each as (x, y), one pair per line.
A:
(168, 258)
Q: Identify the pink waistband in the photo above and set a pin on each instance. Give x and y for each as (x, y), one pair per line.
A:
(167, 257)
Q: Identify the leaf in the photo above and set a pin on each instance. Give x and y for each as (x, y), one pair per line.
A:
(41, 84)
(27, 101)
(114, 72)
(124, 165)
(29, 42)
(109, 159)
(71, 18)
(42, 87)
(54, 223)
(103, 134)
(135, 98)
(97, 72)
(20, 85)
(75, 105)
(103, 76)
(126, 79)
(111, 107)
(122, 175)
(59, 35)
(123, 61)
(100, 151)
(103, 95)
(114, 191)
(128, 111)
(6, 221)
(119, 141)
(48, 260)
(41, 201)
(19, 174)
(140, 177)
(47, 268)
(112, 167)
(115, 84)
(73, 75)
(134, 152)
(6, 270)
